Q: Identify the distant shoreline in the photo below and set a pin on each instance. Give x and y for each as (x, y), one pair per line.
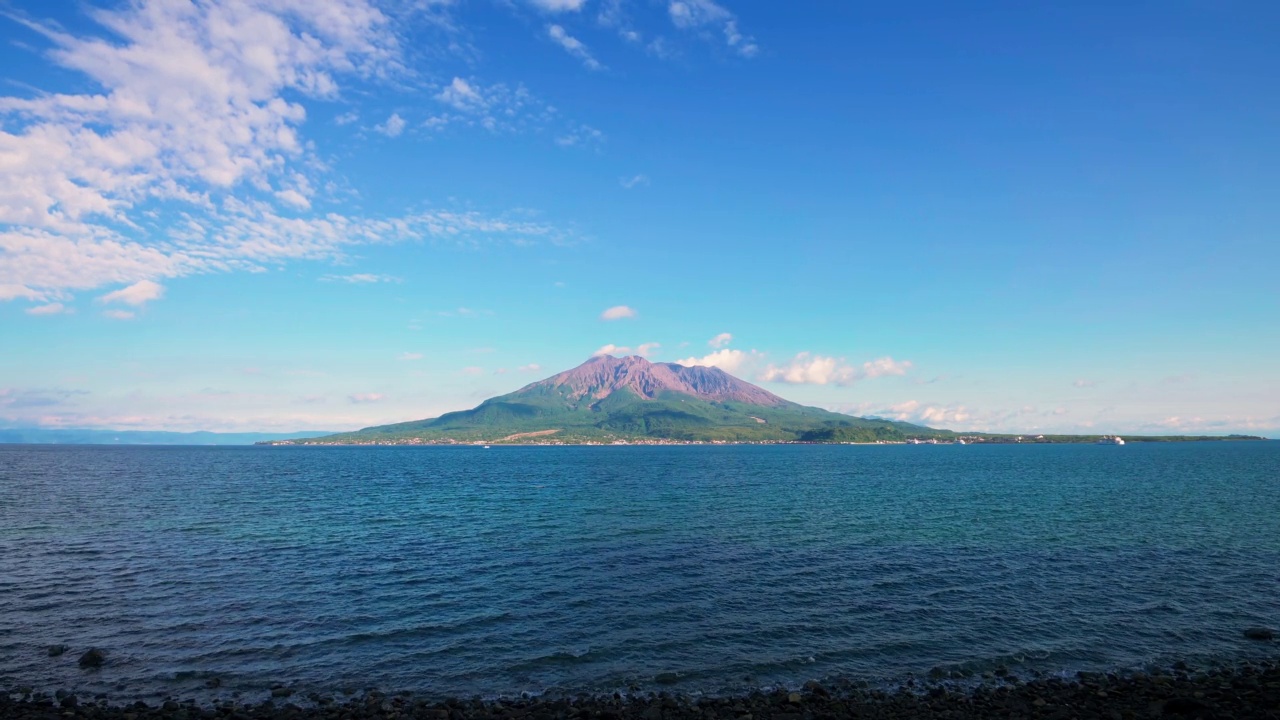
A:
(662, 442)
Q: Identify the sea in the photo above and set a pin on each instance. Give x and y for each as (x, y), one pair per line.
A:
(464, 571)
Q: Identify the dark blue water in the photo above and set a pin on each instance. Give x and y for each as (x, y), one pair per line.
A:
(460, 571)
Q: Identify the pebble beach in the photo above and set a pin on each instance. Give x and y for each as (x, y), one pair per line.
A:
(1245, 690)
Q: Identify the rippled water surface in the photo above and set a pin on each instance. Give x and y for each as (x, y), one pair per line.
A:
(470, 571)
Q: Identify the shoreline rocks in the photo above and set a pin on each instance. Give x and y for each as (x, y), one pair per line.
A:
(1247, 690)
(92, 658)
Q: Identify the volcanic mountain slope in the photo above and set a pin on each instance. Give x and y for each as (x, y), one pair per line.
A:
(632, 398)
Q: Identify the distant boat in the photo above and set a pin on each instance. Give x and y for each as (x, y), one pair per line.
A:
(1111, 440)
(960, 441)
(486, 447)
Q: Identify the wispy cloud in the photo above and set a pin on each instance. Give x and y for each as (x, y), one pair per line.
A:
(720, 340)
(574, 47)
(807, 368)
(556, 6)
(137, 294)
(634, 181)
(1082, 383)
(409, 356)
(580, 135)
(465, 312)
(497, 108)
(360, 278)
(364, 398)
(50, 309)
(38, 398)
(118, 314)
(701, 14)
(530, 368)
(618, 312)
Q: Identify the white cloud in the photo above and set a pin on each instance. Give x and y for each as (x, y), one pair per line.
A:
(727, 359)
(531, 367)
(913, 411)
(14, 291)
(194, 116)
(643, 349)
(1082, 383)
(461, 95)
(473, 370)
(346, 118)
(574, 47)
(633, 181)
(294, 198)
(885, 366)
(618, 312)
(361, 398)
(807, 368)
(50, 309)
(720, 340)
(699, 14)
(137, 294)
(558, 5)
(118, 314)
(192, 99)
(393, 126)
(410, 356)
(181, 156)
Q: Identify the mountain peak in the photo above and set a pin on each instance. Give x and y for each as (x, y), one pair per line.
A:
(603, 375)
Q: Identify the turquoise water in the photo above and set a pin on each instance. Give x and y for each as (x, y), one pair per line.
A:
(462, 571)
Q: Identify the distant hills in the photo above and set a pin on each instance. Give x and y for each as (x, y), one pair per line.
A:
(612, 399)
(604, 400)
(41, 436)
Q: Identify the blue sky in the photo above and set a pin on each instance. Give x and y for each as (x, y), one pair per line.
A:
(326, 214)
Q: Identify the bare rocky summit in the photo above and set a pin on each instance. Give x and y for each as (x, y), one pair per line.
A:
(603, 375)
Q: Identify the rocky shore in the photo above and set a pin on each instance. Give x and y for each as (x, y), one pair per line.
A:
(1247, 690)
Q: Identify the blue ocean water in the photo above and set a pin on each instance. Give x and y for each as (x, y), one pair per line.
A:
(464, 571)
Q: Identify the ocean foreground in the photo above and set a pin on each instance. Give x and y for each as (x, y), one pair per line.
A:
(244, 574)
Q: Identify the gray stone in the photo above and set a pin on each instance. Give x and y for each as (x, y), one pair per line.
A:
(92, 658)
(56, 650)
(1260, 633)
